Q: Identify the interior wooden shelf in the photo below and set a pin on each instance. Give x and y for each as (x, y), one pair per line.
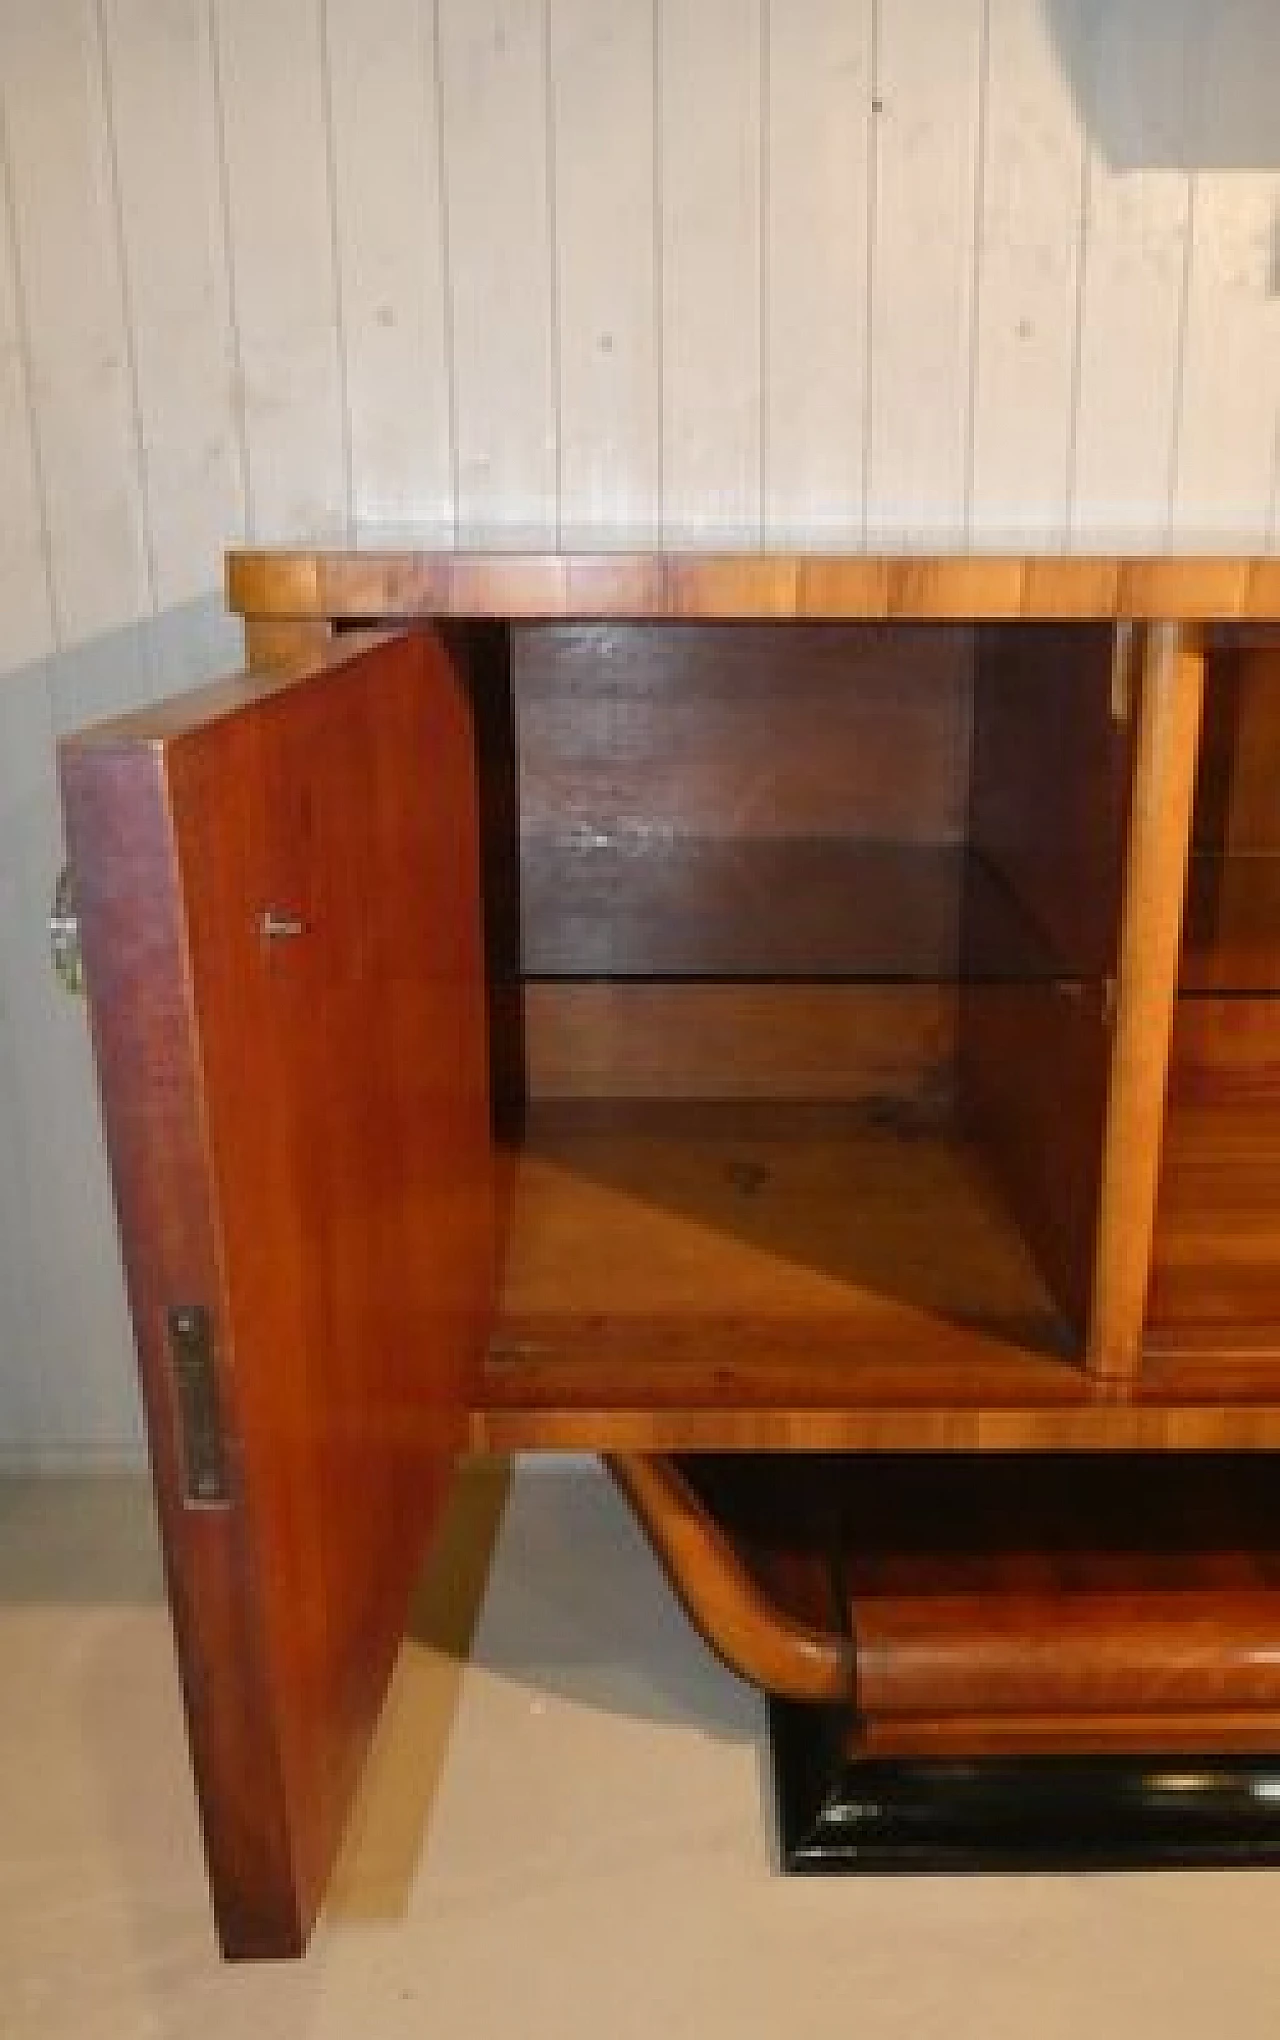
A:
(699, 1277)
(726, 1257)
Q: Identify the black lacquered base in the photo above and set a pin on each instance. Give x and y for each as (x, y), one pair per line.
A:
(844, 1816)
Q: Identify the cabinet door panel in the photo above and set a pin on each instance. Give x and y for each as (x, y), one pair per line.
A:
(298, 1127)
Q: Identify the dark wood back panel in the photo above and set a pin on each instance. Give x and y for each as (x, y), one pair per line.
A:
(741, 801)
(1216, 1268)
(1231, 933)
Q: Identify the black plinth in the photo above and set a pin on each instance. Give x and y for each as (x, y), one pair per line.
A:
(844, 1816)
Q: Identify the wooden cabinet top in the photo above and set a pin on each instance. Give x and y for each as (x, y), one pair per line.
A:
(372, 579)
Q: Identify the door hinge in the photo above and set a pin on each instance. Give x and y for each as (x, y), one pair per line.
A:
(203, 1444)
(64, 934)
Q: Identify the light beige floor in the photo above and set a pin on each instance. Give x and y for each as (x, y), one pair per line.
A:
(591, 1858)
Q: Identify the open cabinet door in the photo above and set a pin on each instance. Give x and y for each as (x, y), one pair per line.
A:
(279, 897)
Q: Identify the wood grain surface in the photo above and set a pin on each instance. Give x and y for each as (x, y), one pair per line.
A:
(771, 1614)
(1169, 708)
(299, 1137)
(345, 581)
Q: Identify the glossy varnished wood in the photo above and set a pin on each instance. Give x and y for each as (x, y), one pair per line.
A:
(299, 1139)
(783, 1631)
(845, 1808)
(1170, 702)
(1061, 1588)
(1066, 1605)
(1074, 1602)
(346, 580)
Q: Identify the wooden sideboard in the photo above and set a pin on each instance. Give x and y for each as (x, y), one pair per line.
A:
(802, 1028)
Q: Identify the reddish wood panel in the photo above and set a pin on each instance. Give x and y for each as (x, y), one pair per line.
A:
(1062, 1588)
(299, 1139)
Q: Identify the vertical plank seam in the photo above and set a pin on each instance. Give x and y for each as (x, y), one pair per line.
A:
(1180, 360)
(975, 268)
(1072, 478)
(763, 188)
(553, 259)
(659, 284)
(239, 407)
(868, 310)
(26, 376)
(446, 266)
(125, 294)
(335, 260)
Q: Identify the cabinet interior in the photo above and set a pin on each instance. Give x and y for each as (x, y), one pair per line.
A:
(800, 942)
(1215, 1287)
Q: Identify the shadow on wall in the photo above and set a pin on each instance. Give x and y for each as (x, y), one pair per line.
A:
(1176, 84)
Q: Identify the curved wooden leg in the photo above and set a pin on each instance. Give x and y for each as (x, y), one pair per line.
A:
(784, 1634)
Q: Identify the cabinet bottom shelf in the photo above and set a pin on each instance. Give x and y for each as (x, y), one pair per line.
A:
(709, 1276)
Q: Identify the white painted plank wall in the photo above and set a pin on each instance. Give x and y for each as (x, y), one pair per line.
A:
(1225, 469)
(824, 271)
(496, 95)
(711, 152)
(164, 131)
(26, 597)
(384, 106)
(819, 57)
(604, 183)
(1030, 225)
(62, 188)
(930, 92)
(1133, 304)
(277, 150)
(1001, 272)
